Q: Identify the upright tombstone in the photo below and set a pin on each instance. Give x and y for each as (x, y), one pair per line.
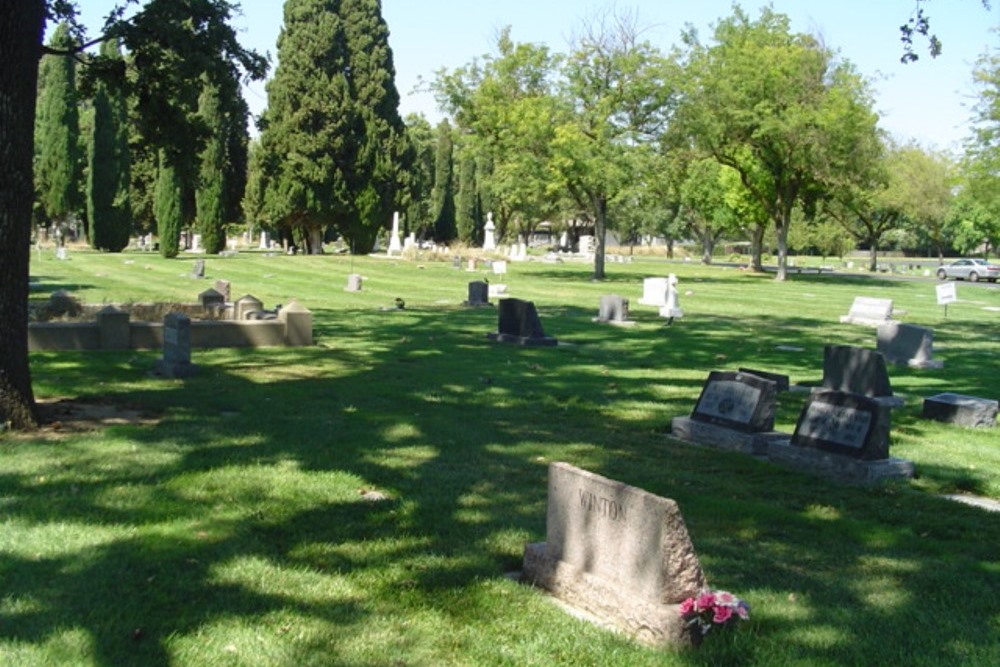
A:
(489, 231)
(907, 344)
(842, 436)
(353, 282)
(735, 411)
(518, 323)
(857, 370)
(224, 287)
(479, 294)
(618, 553)
(654, 292)
(176, 361)
(298, 324)
(614, 310)
(781, 381)
(395, 247)
(199, 269)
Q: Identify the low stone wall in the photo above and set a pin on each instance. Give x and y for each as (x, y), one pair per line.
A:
(113, 330)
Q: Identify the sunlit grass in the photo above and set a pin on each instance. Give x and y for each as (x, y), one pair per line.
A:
(360, 502)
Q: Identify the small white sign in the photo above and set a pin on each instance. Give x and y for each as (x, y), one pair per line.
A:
(946, 294)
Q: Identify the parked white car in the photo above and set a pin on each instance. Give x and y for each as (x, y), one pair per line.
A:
(970, 269)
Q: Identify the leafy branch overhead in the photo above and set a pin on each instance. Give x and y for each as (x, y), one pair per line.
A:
(919, 25)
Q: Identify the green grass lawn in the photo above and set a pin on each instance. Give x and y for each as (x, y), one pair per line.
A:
(239, 527)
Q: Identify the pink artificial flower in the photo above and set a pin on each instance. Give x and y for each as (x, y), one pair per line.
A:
(704, 602)
(722, 614)
(726, 599)
(687, 606)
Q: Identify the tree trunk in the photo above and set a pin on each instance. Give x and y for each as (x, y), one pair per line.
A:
(21, 27)
(757, 248)
(873, 257)
(782, 234)
(600, 232)
(707, 247)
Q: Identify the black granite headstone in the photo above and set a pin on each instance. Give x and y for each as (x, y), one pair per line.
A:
(845, 424)
(740, 401)
(961, 409)
(479, 293)
(782, 381)
(518, 322)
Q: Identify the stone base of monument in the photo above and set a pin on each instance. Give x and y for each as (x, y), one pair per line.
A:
(721, 437)
(837, 467)
(545, 341)
(175, 370)
(653, 624)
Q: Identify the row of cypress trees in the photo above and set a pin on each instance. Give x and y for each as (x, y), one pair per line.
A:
(87, 169)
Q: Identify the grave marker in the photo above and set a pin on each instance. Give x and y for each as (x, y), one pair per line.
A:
(869, 311)
(614, 310)
(518, 323)
(176, 361)
(617, 552)
(907, 344)
(479, 293)
(857, 370)
(960, 409)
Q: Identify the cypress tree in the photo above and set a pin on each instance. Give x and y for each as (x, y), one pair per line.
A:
(332, 135)
(59, 168)
(466, 209)
(109, 211)
(210, 195)
(442, 197)
(168, 207)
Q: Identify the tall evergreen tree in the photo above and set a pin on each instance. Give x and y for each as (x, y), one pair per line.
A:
(210, 195)
(168, 207)
(59, 169)
(466, 208)
(443, 197)
(109, 211)
(332, 137)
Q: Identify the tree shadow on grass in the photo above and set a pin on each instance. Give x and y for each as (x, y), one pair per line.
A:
(455, 433)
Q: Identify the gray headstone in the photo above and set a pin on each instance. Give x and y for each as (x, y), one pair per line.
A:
(616, 551)
(479, 293)
(353, 282)
(846, 424)
(518, 323)
(869, 311)
(613, 309)
(739, 401)
(907, 344)
(961, 409)
(176, 361)
(855, 370)
(199, 269)
(224, 287)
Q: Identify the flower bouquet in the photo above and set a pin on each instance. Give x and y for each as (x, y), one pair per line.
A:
(711, 609)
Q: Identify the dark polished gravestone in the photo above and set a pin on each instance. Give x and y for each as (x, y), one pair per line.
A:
(960, 409)
(176, 361)
(479, 294)
(857, 370)
(613, 309)
(842, 436)
(734, 411)
(619, 553)
(517, 322)
(781, 381)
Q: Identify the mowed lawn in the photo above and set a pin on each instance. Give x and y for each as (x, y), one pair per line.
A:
(364, 501)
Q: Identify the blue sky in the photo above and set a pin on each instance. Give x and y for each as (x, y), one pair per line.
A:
(927, 101)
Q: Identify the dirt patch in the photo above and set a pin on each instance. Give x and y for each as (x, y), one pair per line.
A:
(63, 417)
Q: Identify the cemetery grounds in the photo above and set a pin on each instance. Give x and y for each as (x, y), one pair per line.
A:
(364, 501)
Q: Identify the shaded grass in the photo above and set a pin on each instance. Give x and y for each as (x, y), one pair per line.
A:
(238, 529)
